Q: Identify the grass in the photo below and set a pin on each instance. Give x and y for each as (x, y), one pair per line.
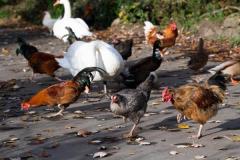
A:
(4, 14)
(235, 41)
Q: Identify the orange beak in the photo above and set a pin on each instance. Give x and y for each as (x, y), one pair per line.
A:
(56, 3)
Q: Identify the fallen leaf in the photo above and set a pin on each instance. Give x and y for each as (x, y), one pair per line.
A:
(102, 148)
(142, 143)
(100, 154)
(156, 103)
(200, 157)
(79, 112)
(83, 133)
(234, 138)
(217, 137)
(195, 145)
(183, 126)
(95, 142)
(214, 121)
(89, 117)
(44, 154)
(173, 152)
(69, 127)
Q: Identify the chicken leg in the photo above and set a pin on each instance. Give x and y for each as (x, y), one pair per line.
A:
(199, 135)
(59, 113)
(130, 135)
(180, 117)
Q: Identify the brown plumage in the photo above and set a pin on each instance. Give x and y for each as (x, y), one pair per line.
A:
(199, 59)
(62, 94)
(167, 36)
(231, 68)
(198, 102)
(40, 62)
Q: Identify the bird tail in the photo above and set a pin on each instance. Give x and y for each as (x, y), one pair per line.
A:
(150, 32)
(87, 72)
(217, 80)
(220, 67)
(147, 85)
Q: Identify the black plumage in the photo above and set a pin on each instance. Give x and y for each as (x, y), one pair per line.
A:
(132, 103)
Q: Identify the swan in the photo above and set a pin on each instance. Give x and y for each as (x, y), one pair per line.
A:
(48, 21)
(96, 53)
(79, 27)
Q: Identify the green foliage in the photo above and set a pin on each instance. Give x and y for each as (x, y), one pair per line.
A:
(4, 14)
(235, 41)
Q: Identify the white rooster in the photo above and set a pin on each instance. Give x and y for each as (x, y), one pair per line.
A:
(78, 26)
(93, 54)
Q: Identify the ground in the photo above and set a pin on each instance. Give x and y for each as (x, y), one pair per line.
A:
(31, 135)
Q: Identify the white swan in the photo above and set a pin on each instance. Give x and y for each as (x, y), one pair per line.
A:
(48, 21)
(93, 54)
(78, 26)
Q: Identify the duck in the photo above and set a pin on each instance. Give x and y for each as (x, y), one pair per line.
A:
(95, 53)
(78, 25)
(136, 71)
(231, 68)
(200, 58)
(48, 21)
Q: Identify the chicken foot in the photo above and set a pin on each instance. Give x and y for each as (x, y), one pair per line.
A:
(130, 135)
(181, 117)
(59, 113)
(199, 135)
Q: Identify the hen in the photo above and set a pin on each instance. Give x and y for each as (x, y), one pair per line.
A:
(63, 94)
(167, 37)
(231, 68)
(40, 62)
(124, 47)
(132, 103)
(200, 58)
(197, 102)
(136, 72)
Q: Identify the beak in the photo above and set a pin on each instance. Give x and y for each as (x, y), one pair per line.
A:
(87, 89)
(56, 3)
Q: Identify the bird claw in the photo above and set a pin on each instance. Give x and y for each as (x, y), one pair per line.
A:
(181, 117)
(195, 136)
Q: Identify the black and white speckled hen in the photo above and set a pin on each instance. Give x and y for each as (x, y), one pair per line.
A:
(132, 103)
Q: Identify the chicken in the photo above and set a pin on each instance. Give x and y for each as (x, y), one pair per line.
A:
(48, 21)
(199, 59)
(231, 68)
(132, 103)
(64, 93)
(40, 62)
(167, 37)
(137, 71)
(124, 47)
(198, 102)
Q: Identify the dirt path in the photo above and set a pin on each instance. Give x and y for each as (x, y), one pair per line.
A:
(32, 136)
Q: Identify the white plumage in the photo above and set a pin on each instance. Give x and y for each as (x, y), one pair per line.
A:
(92, 54)
(48, 21)
(78, 26)
(148, 28)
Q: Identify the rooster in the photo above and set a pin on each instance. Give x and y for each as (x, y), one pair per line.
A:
(167, 37)
(198, 102)
(64, 93)
(40, 62)
(136, 72)
(132, 103)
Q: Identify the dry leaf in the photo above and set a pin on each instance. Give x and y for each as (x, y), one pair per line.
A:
(195, 145)
(200, 157)
(173, 152)
(83, 133)
(183, 126)
(234, 138)
(95, 142)
(100, 154)
(142, 143)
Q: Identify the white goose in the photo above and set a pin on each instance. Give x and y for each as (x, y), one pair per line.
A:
(48, 21)
(93, 54)
(78, 26)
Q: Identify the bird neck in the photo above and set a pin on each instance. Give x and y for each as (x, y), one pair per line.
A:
(67, 9)
(156, 54)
